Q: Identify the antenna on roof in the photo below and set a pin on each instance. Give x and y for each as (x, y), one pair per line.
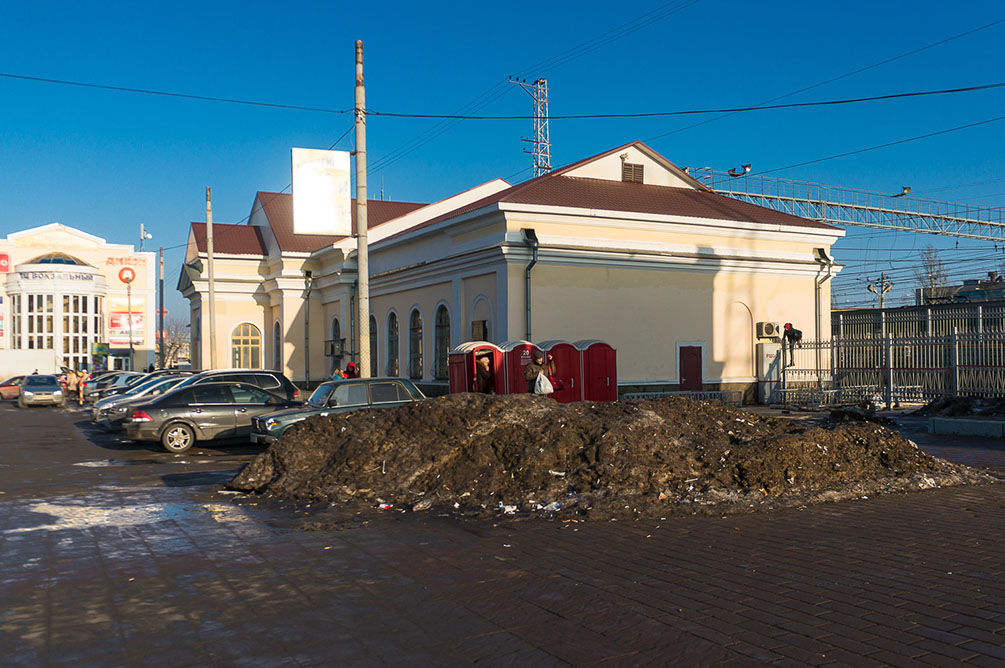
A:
(541, 142)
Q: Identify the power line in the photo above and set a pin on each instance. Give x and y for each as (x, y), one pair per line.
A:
(187, 96)
(839, 77)
(502, 87)
(657, 114)
(886, 145)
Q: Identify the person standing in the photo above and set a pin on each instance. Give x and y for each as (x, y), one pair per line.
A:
(484, 375)
(72, 383)
(792, 336)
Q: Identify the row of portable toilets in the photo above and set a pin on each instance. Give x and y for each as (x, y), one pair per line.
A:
(585, 370)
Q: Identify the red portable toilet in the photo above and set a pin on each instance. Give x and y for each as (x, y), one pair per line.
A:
(518, 354)
(568, 370)
(461, 366)
(600, 370)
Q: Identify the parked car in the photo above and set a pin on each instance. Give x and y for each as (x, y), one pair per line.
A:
(131, 385)
(271, 381)
(111, 411)
(41, 390)
(337, 396)
(92, 389)
(201, 412)
(10, 388)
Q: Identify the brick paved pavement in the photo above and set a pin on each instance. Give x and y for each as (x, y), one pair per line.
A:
(131, 559)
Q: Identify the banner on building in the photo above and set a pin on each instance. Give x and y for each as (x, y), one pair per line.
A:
(120, 324)
(321, 197)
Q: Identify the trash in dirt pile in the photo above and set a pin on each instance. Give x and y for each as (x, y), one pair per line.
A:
(963, 406)
(526, 454)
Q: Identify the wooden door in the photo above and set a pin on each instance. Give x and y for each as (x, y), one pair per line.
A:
(690, 369)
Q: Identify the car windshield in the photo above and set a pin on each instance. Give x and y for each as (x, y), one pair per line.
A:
(164, 384)
(320, 396)
(40, 380)
(141, 387)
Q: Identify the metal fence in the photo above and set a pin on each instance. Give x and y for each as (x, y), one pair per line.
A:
(914, 369)
(931, 320)
(729, 397)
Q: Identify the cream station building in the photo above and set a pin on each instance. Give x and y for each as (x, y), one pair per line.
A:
(623, 246)
(62, 301)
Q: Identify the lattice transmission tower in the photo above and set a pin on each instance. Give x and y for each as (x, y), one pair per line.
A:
(541, 142)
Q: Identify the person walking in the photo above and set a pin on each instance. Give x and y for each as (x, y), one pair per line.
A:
(537, 367)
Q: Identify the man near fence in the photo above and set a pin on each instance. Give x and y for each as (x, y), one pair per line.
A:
(792, 336)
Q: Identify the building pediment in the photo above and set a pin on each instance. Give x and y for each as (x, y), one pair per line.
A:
(56, 235)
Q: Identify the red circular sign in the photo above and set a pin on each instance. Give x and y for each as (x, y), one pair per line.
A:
(127, 274)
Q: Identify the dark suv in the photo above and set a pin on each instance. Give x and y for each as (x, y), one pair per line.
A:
(270, 381)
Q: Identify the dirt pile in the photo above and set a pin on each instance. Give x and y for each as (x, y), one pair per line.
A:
(525, 454)
(963, 406)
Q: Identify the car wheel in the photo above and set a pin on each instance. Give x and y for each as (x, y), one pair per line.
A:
(177, 437)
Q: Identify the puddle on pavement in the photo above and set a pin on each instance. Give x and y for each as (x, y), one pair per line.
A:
(100, 463)
(85, 513)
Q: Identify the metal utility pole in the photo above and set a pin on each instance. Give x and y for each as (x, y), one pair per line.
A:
(884, 287)
(129, 308)
(362, 258)
(160, 309)
(212, 288)
(541, 143)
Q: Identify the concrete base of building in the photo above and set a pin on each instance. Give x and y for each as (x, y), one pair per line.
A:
(993, 428)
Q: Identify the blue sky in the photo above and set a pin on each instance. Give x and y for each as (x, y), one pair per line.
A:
(106, 161)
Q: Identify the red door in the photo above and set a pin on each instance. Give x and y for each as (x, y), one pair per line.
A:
(690, 369)
(600, 372)
(567, 371)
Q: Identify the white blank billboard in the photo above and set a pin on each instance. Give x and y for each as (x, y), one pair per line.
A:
(321, 195)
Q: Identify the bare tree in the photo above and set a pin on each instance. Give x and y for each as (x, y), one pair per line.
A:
(176, 341)
(932, 273)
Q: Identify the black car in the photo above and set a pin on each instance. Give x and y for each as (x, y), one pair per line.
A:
(201, 412)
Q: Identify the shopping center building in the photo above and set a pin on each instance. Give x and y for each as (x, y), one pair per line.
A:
(623, 246)
(62, 295)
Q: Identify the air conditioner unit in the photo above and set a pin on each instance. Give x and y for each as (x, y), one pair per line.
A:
(768, 330)
(333, 347)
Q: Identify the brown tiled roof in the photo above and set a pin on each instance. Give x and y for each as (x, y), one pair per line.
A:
(279, 211)
(649, 199)
(230, 239)
(556, 189)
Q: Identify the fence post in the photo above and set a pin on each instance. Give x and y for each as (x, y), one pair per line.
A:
(784, 396)
(888, 368)
(954, 363)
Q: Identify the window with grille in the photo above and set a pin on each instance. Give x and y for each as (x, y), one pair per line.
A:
(415, 345)
(373, 347)
(442, 336)
(631, 172)
(392, 345)
(246, 346)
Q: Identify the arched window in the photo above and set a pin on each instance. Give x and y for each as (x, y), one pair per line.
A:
(481, 316)
(373, 347)
(335, 362)
(277, 347)
(442, 341)
(392, 345)
(415, 345)
(246, 347)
